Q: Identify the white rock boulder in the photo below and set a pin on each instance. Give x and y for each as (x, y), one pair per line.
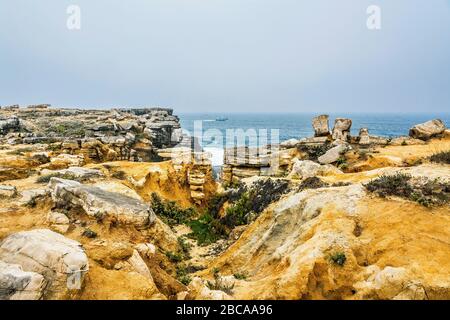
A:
(16, 284)
(427, 130)
(101, 204)
(61, 261)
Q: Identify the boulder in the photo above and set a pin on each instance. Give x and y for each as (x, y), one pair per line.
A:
(7, 191)
(101, 204)
(291, 143)
(16, 284)
(341, 130)
(321, 126)
(427, 130)
(58, 221)
(12, 123)
(61, 261)
(364, 138)
(68, 160)
(303, 169)
(333, 154)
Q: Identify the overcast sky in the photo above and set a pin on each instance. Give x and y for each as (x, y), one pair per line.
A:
(228, 55)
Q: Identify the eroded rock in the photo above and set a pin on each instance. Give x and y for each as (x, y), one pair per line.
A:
(427, 130)
(61, 261)
(101, 204)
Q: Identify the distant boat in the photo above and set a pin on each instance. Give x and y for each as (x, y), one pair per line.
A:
(221, 119)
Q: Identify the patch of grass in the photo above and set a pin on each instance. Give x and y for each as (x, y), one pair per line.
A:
(68, 176)
(246, 203)
(338, 258)
(392, 185)
(183, 275)
(441, 157)
(421, 190)
(240, 275)
(120, 175)
(206, 229)
(312, 183)
(184, 246)
(170, 212)
(174, 256)
(314, 152)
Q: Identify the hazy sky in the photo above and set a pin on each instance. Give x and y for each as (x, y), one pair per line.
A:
(228, 55)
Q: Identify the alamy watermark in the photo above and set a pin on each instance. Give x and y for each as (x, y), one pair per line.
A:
(74, 17)
(374, 17)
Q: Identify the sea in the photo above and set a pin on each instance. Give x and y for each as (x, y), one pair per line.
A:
(265, 127)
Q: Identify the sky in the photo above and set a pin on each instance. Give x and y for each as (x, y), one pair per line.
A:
(228, 55)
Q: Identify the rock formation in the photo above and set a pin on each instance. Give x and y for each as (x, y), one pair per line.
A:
(341, 129)
(427, 130)
(116, 204)
(321, 126)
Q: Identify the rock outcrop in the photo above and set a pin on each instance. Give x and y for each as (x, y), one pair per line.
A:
(59, 260)
(321, 126)
(341, 129)
(333, 154)
(101, 204)
(16, 284)
(427, 130)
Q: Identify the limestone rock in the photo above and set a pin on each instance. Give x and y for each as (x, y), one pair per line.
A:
(321, 126)
(12, 123)
(364, 138)
(101, 204)
(8, 191)
(76, 172)
(58, 221)
(333, 154)
(68, 160)
(303, 169)
(427, 130)
(61, 261)
(16, 284)
(199, 291)
(341, 130)
(406, 141)
(291, 143)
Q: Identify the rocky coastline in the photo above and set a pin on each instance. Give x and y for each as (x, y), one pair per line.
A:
(116, 204)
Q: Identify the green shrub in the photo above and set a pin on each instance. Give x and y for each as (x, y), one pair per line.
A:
(393, 185)
(183, 275)
(205, 230)
(174, 256)
(170, 212)
(312, 183)
(240, 276)
(338, 258)
(424, 191)
(441, 157)
(314, 152)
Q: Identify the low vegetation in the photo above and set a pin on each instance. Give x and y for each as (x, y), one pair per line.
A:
(314, 152)
(338, 258)
(170, 212)
(441, 157)
(68, 176)
(424, 191)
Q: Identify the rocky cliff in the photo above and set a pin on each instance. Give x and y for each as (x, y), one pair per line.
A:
(87, 213)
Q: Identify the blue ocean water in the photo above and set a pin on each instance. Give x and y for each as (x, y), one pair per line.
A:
(298, 125)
